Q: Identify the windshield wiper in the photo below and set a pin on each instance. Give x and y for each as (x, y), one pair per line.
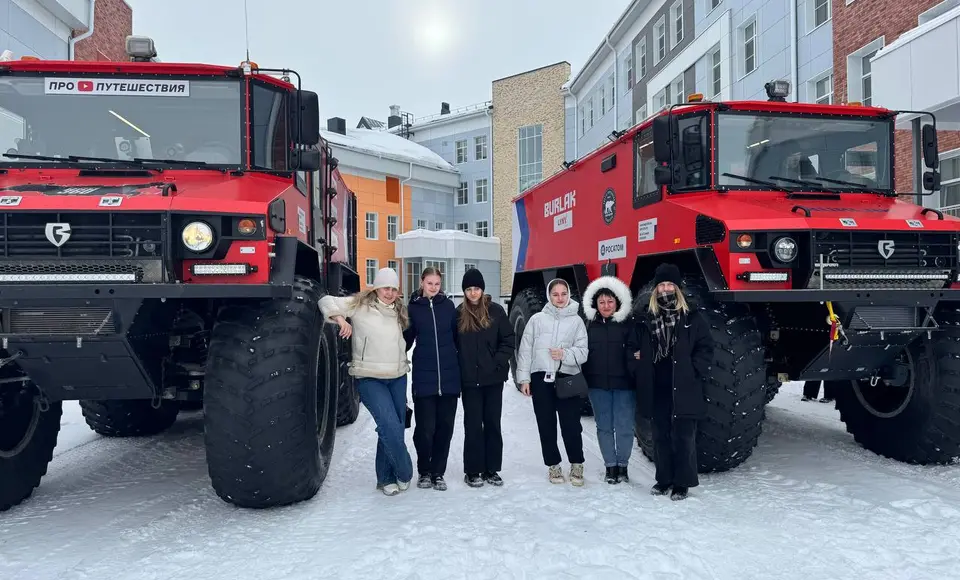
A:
(806, 183)
(73, 159)
(171, 161)
(859, 186)
(769, 184)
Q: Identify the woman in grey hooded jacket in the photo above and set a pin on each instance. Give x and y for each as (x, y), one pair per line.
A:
(554, 344)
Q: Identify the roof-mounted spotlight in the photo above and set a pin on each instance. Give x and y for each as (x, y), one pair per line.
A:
(777, 90)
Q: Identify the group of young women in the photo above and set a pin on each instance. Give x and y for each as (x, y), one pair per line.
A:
(646, 361)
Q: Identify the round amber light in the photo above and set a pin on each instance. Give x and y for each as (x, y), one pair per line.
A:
(744, 240)
(247, 226)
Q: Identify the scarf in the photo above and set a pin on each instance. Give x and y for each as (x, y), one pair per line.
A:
(664, 328)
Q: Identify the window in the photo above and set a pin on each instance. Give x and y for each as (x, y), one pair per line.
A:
(613, 89)
(660, 100)
(749, 36)
(481, 191)
(393, 227)
(644, 185)
(372, 267)
(628, 71)
(467, 266)
(677, 13)
(371, 224)
(590, 112)
(716, 79)
(642, 58)
(482, 229)
(821, 12)
(641, 114)
(480, 144)
(823, 90)
(439, 226)
(660, 36)
(950, 182)
(583, 121)
(713, 3)
(603, 100)
(421, 224)
(860, 73)
(866, 79)
(413, 276)
(530, 156)
(271, 142)
(678, 89)
(463, 227)
(461, 151)
(463, 193)
(392, 264)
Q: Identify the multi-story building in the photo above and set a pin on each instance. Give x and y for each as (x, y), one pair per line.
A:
(385, 172)
(65, 29)
(904, 56)
(660, 51)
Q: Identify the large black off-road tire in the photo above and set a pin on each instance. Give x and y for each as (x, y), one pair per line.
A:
(528, 302)
(348, 396)
(133, 418)
(918, 422)
(736, 391)
(269, 415)
(27, 439)
(773, 387)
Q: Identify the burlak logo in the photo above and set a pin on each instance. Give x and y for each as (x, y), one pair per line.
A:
(609, 206)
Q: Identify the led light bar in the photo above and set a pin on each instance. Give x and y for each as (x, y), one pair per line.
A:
(221, 269)
(765, 276)
(119, 277)
(881, 276)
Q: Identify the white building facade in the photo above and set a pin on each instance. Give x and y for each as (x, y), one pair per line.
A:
(43, 28)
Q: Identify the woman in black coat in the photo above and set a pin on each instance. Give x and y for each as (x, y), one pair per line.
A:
(486, 345)
(672, 356)
(436, 377)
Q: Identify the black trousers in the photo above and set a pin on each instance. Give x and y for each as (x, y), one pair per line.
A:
(482, 438)
(674, 438)
(548, 408)
(434, 416)
(811, 389)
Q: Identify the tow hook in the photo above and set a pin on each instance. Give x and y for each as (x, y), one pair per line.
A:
(43, 402)
(874, 380)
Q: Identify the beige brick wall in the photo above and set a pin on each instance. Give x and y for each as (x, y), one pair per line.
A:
(528, 98)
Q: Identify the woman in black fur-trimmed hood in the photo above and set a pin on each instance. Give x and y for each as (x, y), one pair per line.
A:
(673, 351)
(607, 305)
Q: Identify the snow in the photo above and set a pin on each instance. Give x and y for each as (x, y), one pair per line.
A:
(809, 503)
(383, 143)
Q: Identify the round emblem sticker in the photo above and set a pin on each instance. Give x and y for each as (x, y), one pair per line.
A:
(609, 206)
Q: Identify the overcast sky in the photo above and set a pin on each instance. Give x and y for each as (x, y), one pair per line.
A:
(361, 56)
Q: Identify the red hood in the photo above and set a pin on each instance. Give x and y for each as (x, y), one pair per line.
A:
(773, 210)
(195, 191)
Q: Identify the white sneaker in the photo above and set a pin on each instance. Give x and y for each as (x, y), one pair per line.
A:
(556, 474)
(391, 489)
(403, 485)
(576, 474)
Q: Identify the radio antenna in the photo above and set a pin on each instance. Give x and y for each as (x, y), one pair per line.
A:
(246, 25)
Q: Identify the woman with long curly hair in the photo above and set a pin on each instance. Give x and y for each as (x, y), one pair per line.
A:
(380, 364)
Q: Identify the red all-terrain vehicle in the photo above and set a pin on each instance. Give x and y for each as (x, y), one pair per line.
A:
(783, 218)
(167, 231)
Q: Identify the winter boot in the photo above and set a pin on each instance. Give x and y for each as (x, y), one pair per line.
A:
(679, 493)
(612, 474)
(493, 479)
(622, 476)
(473, 480)
(576, 474)
(660, 489)
(391, 489)
(403, 485)
(556, 474)
(439, 484)
(424, 482)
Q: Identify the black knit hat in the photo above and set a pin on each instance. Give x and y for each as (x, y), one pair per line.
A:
(667, 273)
(472, 278)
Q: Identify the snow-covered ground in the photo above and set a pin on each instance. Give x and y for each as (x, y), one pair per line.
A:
(809, 504)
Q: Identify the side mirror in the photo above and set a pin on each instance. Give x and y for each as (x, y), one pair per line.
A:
(662, 138)
(928, 136)
(306, 160)
(663, 175)
(931, 180)
(306, 121)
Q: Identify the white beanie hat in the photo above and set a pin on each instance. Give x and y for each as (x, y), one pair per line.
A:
(386, 278)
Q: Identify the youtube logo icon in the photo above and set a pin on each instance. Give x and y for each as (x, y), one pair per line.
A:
(85, 86)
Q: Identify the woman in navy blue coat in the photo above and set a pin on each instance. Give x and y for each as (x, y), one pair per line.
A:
(436, 377)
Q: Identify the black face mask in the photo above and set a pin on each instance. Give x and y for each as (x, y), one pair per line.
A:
(667, 300)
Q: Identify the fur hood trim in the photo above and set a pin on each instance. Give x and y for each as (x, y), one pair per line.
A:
(619, 289)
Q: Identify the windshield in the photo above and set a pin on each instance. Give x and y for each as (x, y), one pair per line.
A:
(121, 118)
(824, 153)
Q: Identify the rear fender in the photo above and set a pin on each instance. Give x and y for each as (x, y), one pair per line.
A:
(698, 261)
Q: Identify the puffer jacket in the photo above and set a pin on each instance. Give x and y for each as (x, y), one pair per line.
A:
(552, 327)
(607, 337)
(433, 326)
(485, 354)
(379, 350)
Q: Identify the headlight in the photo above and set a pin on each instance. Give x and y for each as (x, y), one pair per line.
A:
(197, 236)
(785, 249)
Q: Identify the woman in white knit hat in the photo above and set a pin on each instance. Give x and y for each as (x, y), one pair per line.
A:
(380, 364)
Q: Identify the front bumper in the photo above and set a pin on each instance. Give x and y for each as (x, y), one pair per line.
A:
(13, 294)
(876, 297)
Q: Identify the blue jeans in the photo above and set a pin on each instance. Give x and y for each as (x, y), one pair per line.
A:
(386, 399)
(614, 411)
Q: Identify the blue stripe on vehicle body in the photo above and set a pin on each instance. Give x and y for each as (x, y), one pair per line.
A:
(524, 234)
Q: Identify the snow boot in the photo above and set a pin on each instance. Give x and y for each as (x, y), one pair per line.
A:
(660, 489)
(439, 484)
(403, 485)
(473, 480)
(391, 489)
(622, 476)
(493, 479)
(556, 474)
(612, 475)
(576, 474)
(679, 493)
(424, 482)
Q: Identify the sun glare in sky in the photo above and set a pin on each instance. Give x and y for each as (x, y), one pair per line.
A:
(432, 32)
